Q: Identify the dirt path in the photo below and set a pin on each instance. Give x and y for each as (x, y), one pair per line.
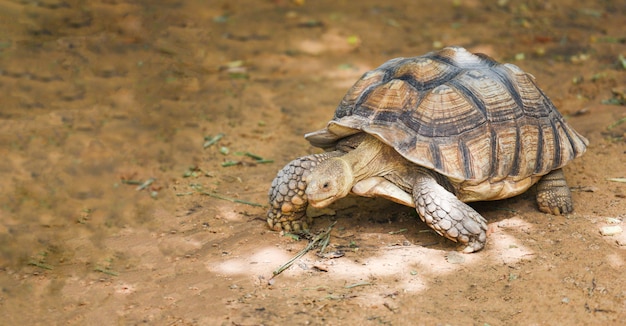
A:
(109, 109)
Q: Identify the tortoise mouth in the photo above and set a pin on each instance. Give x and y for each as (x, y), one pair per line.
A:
(320, 201)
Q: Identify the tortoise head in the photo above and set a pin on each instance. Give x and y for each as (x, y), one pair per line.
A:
(329, 181)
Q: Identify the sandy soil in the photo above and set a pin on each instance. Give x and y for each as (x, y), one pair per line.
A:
(98, 97)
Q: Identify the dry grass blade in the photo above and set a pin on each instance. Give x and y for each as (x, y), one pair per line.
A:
(616, 123)
(106, 271)
(209, 141)
(198, 189)
(320, 241)
(145, 184)
(40, 265)
(234, 200)
(357, 284)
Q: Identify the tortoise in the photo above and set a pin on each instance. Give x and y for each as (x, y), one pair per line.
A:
(435, 132)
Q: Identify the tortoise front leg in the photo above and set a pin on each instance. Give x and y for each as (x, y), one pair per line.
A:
(287, 196)
(553, 194)
(447, 215)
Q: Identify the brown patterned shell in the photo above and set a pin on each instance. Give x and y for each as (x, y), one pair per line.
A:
(461, 114)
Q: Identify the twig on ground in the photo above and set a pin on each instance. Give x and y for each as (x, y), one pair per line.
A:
(320, 241)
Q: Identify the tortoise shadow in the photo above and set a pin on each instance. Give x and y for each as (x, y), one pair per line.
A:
(403, 226)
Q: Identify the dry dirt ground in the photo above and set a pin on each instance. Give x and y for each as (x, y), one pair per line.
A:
(116, 209)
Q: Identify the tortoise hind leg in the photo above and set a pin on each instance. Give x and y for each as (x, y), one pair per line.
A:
(447, 215)
(553, 194)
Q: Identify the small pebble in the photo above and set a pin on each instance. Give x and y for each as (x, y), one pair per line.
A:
(610, 230)
(321, 268)
(613, 220)
(332, 254)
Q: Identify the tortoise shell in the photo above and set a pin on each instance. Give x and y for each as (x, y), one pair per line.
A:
(460, 114)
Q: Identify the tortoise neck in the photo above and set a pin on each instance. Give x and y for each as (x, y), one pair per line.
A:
(370, 158)
(374, 158)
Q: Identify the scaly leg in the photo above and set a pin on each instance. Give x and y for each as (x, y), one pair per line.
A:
(553, 194)
(288, 200)
(447, 215)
